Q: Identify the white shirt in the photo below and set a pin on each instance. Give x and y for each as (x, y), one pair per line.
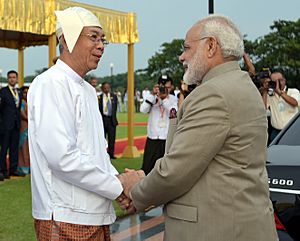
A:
(158, 122)
(72, 177)
(281, 111)
(145, 93)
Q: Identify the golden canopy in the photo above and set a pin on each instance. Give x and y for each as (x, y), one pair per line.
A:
(30, 22)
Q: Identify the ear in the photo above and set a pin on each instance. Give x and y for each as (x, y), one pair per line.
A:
(212, 47)
(64, 44)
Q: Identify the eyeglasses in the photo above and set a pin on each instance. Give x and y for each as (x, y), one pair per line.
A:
(95, 38)
(185, 48)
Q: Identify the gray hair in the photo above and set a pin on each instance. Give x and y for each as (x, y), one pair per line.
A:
(60, 45)
(226, 32)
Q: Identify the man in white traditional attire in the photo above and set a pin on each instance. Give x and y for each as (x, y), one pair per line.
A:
(73, 181)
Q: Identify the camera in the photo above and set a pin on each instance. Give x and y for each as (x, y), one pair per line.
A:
(272, 84)
(162, 80)
(163, 90)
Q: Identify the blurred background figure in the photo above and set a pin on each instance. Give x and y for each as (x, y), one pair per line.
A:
(119, 97)
(125, 100)
(185, 90)
(94, 82)
(10, 107)
(145, 92)
(24, 160)
(281, 100)
(158, 104)
(108, 108)
(137, 100)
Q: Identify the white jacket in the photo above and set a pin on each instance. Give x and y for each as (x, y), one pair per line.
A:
(72, 178)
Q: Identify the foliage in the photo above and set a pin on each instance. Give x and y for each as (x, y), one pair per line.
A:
(279, 50)
(165, 61)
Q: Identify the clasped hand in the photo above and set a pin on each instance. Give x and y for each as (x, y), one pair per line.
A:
(128, 179)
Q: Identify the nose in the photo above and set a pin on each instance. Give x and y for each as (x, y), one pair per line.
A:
(100, 46)
(181, 58)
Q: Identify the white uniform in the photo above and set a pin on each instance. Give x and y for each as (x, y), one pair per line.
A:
(158, 122)
(73, 180)
(281, 111)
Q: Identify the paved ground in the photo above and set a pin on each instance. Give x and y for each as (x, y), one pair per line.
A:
(144, 226)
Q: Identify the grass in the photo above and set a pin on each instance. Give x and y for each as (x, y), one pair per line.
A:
(16, 223)
(138, 117)
(137, 130)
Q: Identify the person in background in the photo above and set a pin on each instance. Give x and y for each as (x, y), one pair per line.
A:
(10, 107)
(108, 103)
(281, 100)
(185, 90)
(73, 182)
(125, 100)
(176, 91)
(137, 100)
(24, 160)
(249, 65)
(94, 82)
(158, 104)
(119, 96)
(145, 92)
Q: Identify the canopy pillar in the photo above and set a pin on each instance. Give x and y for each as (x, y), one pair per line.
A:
(21, 66)
(52, 49)
(130, 151)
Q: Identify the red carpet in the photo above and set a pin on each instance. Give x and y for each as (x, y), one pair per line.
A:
(139, 142)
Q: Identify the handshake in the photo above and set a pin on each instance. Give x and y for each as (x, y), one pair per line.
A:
(128, 179)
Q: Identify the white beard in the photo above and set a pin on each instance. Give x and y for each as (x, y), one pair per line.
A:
(196, 69)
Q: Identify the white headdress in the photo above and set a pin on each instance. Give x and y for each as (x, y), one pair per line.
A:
(71, 21)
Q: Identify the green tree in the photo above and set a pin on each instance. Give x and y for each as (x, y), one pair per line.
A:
(279, 50)
(165, 61)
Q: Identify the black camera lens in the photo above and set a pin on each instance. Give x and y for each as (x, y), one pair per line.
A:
(272, 84)
(163, 90)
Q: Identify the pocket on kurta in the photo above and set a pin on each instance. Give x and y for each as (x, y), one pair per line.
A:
(186, 213)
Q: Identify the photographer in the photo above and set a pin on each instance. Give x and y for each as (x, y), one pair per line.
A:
(158, 104)
(282, 101)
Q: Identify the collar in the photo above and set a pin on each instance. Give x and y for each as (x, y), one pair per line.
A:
(221, 69)
(70, 72)
(12, 87)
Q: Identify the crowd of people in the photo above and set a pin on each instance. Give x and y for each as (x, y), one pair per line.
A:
(205, 155)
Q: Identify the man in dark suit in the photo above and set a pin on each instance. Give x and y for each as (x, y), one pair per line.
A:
(10, 105)
(108, 108)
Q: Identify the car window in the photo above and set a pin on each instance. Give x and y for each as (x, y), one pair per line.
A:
(292, 135)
